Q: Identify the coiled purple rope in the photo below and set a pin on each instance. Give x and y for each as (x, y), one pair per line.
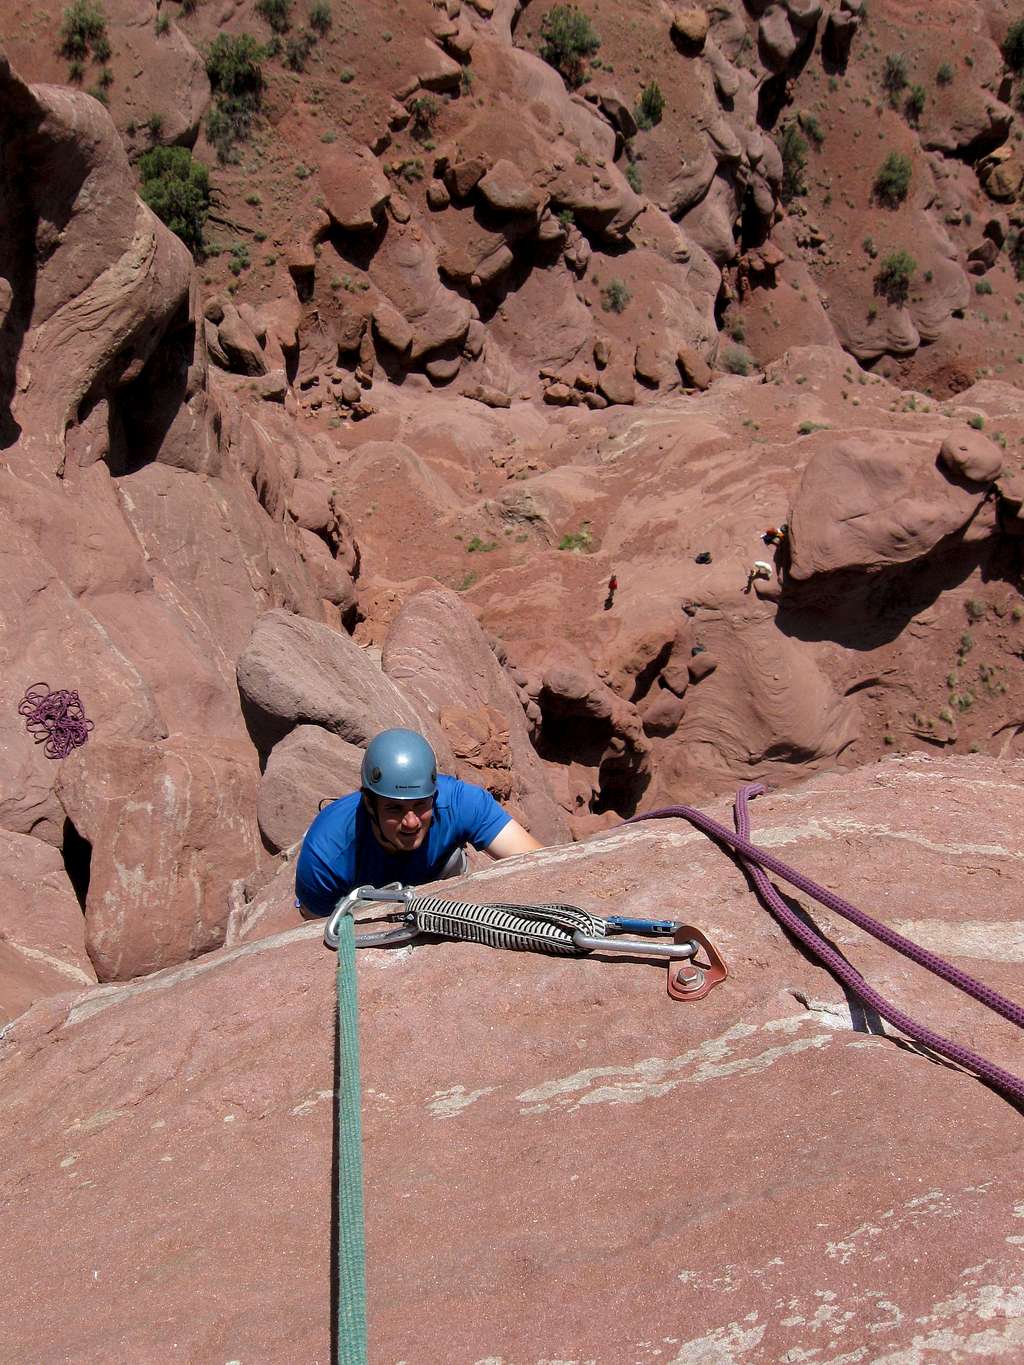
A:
(57, 720)
(755, 860)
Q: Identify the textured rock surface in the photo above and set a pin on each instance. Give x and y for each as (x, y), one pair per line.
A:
(309, 766)
(839, 1188)
(438, 654)
(862, 505)
(42, 932)
(170, 826)
(295, 672)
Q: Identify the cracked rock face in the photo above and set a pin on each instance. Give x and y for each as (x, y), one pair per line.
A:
(826, 1199)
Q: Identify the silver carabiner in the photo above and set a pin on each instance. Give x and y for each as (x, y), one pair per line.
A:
(395, 892)
(635, 946)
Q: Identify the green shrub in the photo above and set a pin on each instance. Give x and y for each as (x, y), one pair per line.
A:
(297, 49)
(1013, 46)
(894, 276)
(475, 545)
(162, 25)
(983, 287)
(346, 75)
(615, 296)
(579, 542)
(650, 106)
(424, 110)
(239, 259)
(809, 123)
(944, 75)
(633, 178)
(177, 188)
(233, 64)
(82, 26)
(914, 104)
(277, 13)
(737, 360)
(76, 70)
(320, 17)
(893, 180)
(568, 38)
(894, 76)
(976, 421)
(155, 126)
(236, 78)
(793, 150)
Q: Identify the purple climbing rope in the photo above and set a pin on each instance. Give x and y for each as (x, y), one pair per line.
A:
(56, 720)
(756, 860)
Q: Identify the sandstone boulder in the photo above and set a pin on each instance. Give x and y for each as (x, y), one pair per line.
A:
(437, 653)
(690, 26)
(355, 190)
(308, 767)
(104, 287)
(296, 672)
(239, 344)
(973, 456)
(170, 826)
(865, 504)
(48, 634)
(42, 931)
(507, 191)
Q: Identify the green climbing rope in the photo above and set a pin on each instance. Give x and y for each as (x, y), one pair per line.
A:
(351, 1286)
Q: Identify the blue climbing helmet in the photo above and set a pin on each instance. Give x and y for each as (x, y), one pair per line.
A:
(399, 764)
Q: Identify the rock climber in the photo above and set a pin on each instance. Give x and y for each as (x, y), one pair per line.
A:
(613, 587)
(407, 824)
(775, 535)
(759, 569)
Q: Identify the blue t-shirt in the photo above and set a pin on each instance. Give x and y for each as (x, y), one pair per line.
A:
(340, 851)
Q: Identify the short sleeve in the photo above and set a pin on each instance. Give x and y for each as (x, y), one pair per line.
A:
(480, 818)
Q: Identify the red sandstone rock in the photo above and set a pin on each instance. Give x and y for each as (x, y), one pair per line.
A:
(174, 1093)
(171, 826)
(42, 932)
(297, 672)
(972, 455)
(308, 767)
(506, 190)
(439, 656)
(862, 505)
(354, 188)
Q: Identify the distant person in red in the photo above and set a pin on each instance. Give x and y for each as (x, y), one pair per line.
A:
(613, 585)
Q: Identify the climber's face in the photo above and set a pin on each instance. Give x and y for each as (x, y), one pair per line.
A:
(402, 826)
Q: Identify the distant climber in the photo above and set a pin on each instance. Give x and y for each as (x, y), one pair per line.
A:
(613, 587)
(407, 824)
(759, 569)
(775, 535)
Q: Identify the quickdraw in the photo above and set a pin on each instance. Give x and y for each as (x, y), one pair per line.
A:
(695, 966)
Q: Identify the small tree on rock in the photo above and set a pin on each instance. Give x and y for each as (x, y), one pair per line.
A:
(893, 180)
(793, 150)
(894, 276)
(568, 39)
(177, 189)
